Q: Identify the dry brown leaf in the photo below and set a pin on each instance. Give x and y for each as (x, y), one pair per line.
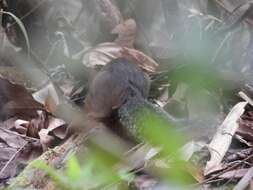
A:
(36, 124)
(21, 108)
(50, 103)
(45, 139)
(11, 139)
(47, 96)
(6, 153)
(9, 123)
(30, 152)
(126, 33)
(110, 13)
(57, 127)
(106, 52)
(15, 100)
(15, 147)
(21, 126)
(102, 54)
(145, 62)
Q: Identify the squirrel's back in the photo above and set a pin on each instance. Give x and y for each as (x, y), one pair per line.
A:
(113, 85)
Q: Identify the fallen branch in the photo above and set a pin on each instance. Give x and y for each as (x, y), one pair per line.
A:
(32, 177)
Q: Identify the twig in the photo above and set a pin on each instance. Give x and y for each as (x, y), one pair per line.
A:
(221, 46)
(231, 9)
(229, 168)
(30, 139)
(75, 21)
(246, 97)
(12, 158)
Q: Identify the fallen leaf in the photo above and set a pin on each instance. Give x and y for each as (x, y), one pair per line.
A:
(45, 139)
(36, 124)
(142, 60)
(15, 100)
(50, 103)
(223, 137)
(47, 96)
(9, 123)
(21, 126)
(5, 154)
(106, 52)
(109, 13)
(126, 33)
(57, 127)
(11, 139)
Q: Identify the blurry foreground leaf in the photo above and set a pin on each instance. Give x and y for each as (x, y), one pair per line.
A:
(160, 133)
(73, 170)
(97, 171)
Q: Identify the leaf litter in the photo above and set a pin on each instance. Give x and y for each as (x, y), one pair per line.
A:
(29, 125)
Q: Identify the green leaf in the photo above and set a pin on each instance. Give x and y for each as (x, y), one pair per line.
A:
(73, 170)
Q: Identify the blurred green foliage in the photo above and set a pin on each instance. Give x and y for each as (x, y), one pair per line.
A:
(99, 168)
(159, 132)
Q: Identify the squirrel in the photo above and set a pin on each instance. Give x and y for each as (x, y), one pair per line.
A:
(117, 93)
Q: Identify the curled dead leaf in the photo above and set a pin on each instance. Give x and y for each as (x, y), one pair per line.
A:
(37, 124)
(106, 52)
(56, 129)
(48, 96)
(45, 139)
(21, 126)
(57, 126)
